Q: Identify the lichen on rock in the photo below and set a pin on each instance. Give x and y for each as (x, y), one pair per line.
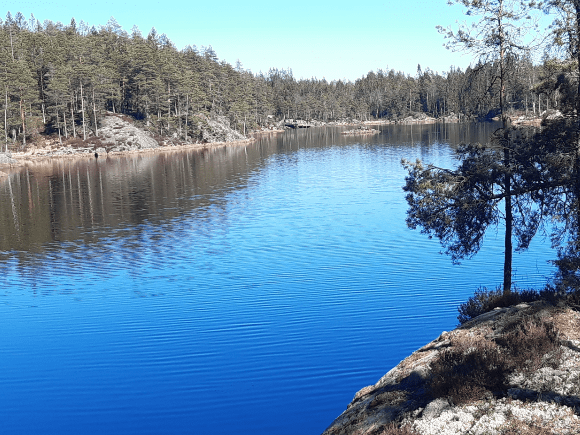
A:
(119, 135)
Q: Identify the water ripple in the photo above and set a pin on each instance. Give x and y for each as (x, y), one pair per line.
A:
(275, 280)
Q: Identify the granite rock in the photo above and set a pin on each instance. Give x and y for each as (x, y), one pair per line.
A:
(545, 397)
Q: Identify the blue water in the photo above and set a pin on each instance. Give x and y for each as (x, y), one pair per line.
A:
(247, 290)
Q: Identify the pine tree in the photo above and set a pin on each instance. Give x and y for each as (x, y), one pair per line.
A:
(496, 36)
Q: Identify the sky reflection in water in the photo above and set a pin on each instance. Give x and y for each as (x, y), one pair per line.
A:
(250, 289)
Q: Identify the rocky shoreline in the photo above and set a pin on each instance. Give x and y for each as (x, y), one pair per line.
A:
(414, 118)
(360, 130)
(118, 135)
(509, 371)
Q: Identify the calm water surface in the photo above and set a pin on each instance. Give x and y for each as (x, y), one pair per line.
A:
(245, 289)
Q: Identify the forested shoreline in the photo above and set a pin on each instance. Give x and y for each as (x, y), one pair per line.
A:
(62, 79)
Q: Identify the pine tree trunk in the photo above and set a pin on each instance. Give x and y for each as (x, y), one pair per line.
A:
(22, 115)
(83, 113)
(6, 117)
(178, 114)
(58, 124)
(95, 114)
(64, 122)
(507, 268)
(186, 113)
(72, 115)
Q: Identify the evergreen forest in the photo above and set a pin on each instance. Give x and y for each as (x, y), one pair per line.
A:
(57, 78)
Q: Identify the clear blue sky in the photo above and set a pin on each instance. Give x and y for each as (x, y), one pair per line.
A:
(331, 39)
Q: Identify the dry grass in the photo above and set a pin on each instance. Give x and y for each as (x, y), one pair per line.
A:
(77, 142)
(467, 370)
(531, 344)
(393, 429)
(476, 366)
(95, 141)
(392, 398)
(567, 322)
(485, 300)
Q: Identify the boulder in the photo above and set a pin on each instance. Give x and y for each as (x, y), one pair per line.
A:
(118, 134)
(6, 159)
(217, 129)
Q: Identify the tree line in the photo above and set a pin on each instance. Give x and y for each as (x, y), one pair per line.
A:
(61, 79)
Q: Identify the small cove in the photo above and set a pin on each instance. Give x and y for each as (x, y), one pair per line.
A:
(247, 289)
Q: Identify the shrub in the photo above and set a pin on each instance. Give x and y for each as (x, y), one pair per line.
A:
(74, 142)
(530, 342)
(485, 300)
(573, 299)
(468, 370)
(95, 141)
(529, 295)
(126, 118)
(550, 294)
(475, 367)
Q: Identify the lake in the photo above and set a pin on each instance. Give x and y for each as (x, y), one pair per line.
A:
(239, 289)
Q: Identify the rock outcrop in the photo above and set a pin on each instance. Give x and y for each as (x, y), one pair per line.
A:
(452, 117)
(6, 159)
(513, 370)
(298, 123)
(551, 114)
(360, 130)
(118, 135)
(417, 117)
(217, 129)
